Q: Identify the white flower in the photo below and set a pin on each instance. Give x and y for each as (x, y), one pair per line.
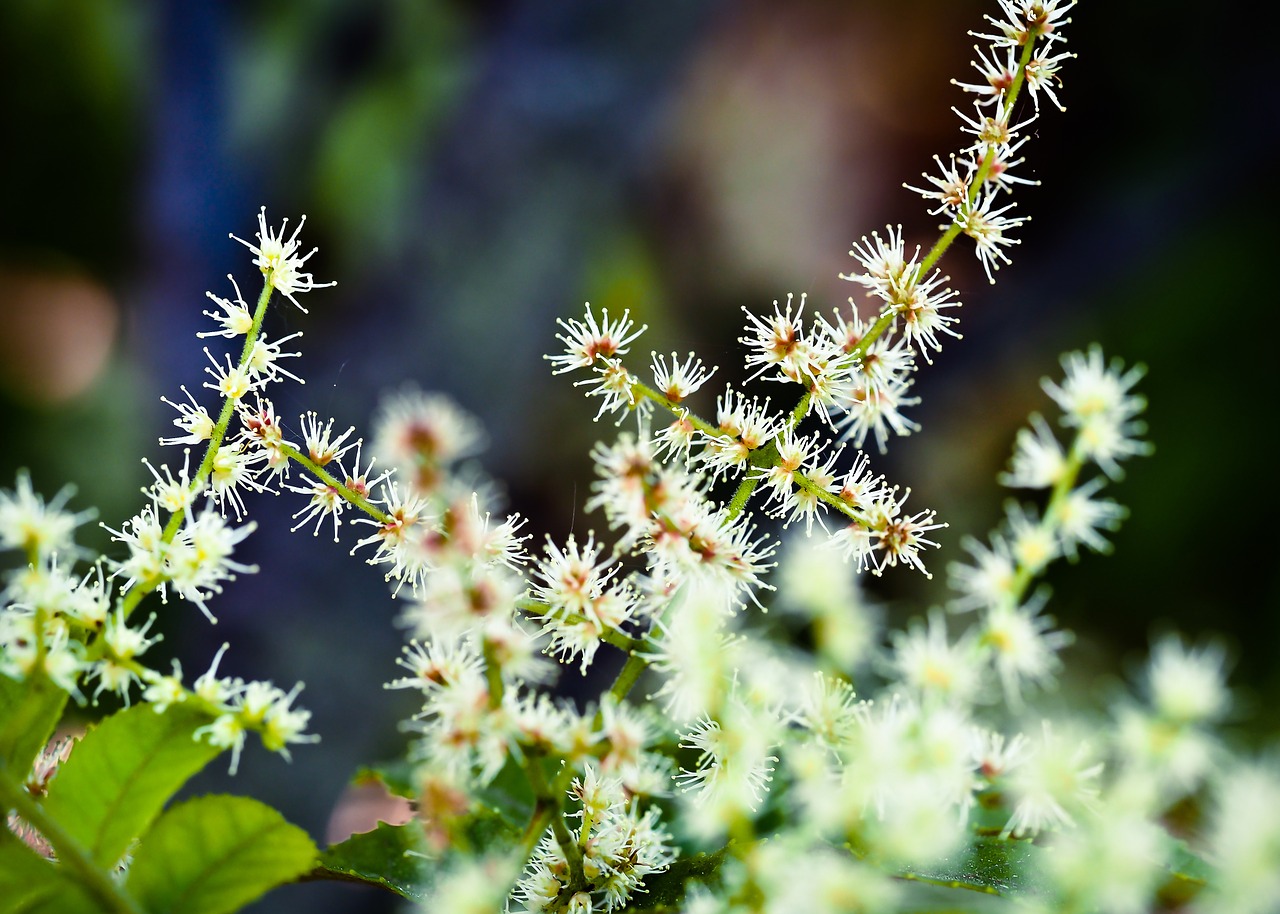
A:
(236, 319)
(193, 419)
(1094, 388)
(1032, 542)
(990, 581)
(1186, 685)
(40, 529)
(1244, 843)
(199, 558)
(951, 190)
(935, 668)
(1042, 73)
(1038, 461)
(677, 381)
(586, 341)
(1025, 20)
(734, 761)
(988, 227)
(279, 260)
(420, 433)
(232, 381)
(263, 365)
(877, 407)
(226, 732)
(173, 495)
(1024, 646)
(745, 424)
(777, 341)
(318, 439)
(398, 541)
(1058, 778)
(886, 269)
(1113, 863)
(992, 131)
(887, 537)
(997, 75)
(1080, 517)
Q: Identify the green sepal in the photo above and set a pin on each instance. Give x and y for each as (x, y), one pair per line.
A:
(215, 854)
(120, 775)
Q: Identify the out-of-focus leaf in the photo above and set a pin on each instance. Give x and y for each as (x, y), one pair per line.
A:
(29, 712)
(29, 884)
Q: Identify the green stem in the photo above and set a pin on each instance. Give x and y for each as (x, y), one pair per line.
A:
(627, 676)
(681, 412)
(548, 800)
(130, 600)
(351, 496)
(493, 675)
(109, 894)
(1024, 574)
(611, 636)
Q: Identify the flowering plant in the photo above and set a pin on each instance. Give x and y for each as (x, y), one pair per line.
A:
(747, 775)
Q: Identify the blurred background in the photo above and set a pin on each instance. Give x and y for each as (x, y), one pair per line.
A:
(472, 170)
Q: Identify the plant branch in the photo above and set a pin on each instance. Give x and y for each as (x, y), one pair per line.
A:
(110, 895)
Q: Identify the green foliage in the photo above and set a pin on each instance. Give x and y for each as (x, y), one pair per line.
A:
(120, 775)
(390, 856)
(29, 884)
(921, 897)
(29, 712)
(214, 854)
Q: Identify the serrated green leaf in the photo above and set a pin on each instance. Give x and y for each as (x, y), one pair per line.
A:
(397, 777)
(29, 884)
(390, 856)
(215, 854)
(29, 712)
(120, 775)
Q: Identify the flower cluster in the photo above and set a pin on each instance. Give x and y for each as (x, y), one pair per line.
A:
(81, 627)
(752, 777)
(616, 847)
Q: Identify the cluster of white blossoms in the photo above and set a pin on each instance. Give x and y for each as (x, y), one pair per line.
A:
(617, 846)
(747, 745)
(79, 627)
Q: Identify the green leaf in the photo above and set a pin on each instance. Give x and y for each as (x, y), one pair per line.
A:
(1007, 866)
(29, 884)
(390, 856)
(666, 890)
(215, 854)
(922, 897)
(397, 777)
(29, 712)
(1188, 875)
(120, 775)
